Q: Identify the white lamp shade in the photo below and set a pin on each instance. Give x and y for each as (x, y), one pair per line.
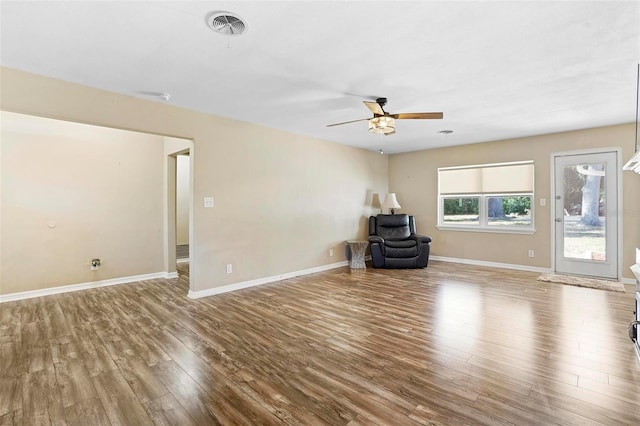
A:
(390, 201)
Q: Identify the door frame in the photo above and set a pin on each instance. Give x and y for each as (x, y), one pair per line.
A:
(617, 209)
(170, 195)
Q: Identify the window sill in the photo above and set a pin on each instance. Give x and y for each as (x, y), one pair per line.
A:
(527, 231)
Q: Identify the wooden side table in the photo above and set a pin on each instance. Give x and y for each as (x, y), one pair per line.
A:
(357, 249)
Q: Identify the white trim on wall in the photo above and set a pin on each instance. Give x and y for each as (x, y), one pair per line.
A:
(526, 268)
(85, 286)
(491, 264)
(247, 284)
(260, 281)
(192, 294)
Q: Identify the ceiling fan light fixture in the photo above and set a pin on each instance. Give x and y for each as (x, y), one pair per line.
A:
(382, 124)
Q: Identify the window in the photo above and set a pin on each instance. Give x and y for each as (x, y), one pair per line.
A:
(461, 210)
(489, 197)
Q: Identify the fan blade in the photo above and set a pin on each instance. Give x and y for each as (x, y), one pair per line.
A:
(348, 122)
(374, 107)
(417, 115)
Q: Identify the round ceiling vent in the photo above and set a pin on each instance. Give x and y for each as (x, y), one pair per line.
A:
(226, 23)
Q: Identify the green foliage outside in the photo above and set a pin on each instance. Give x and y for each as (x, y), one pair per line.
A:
(458, 206)
(466, 206)
(516, 205)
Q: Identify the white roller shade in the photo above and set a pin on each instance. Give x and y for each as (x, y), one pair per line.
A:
(487, 179)
(461, 181)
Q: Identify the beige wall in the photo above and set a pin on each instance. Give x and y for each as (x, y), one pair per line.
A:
(281, 200)
(73, 192)
(413, 176)
(182, 198)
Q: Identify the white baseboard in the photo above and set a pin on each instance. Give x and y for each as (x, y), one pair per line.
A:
(260, 281)
(252, 283)
(629, 281)
(84, 286)
(246, 284)
(491, 264)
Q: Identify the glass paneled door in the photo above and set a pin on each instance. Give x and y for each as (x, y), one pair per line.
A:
(586, 220)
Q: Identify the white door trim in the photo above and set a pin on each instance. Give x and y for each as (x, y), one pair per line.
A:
(618, 207)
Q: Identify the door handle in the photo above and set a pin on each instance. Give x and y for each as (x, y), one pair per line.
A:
(559, 219)
(633, 330)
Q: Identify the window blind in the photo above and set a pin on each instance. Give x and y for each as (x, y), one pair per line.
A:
(505, 178)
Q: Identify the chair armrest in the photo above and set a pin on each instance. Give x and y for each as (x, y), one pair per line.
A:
(420, 238)
(376, 239)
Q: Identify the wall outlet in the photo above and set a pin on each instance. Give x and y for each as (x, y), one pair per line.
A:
(330, 252)
(229, 268)
(531, 253)
(95, 264)
(208, 202)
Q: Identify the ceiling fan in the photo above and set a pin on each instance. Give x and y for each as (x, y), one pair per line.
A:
(383, 122)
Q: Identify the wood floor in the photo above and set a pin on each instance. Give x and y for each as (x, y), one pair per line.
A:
(448, 345)
(182, 251)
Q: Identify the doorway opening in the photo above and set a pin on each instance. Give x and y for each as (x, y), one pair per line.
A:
(178, 207)
(586, 232)
(183, 187)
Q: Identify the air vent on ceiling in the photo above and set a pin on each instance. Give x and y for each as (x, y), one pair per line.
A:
(226, 23)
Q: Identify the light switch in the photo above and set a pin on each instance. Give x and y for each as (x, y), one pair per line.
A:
(543, 202)
(208, 202)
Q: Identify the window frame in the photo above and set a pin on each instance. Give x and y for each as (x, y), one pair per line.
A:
(483, 215)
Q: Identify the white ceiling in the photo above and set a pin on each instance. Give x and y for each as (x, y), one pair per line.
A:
(496, 69)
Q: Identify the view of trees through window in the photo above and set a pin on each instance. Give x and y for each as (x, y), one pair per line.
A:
(584, 212)
(500, 210)
(509, 211)
(462, 211)
(584, 193)
(493, 197)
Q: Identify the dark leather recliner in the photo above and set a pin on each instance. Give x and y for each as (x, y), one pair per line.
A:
(395, 244)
